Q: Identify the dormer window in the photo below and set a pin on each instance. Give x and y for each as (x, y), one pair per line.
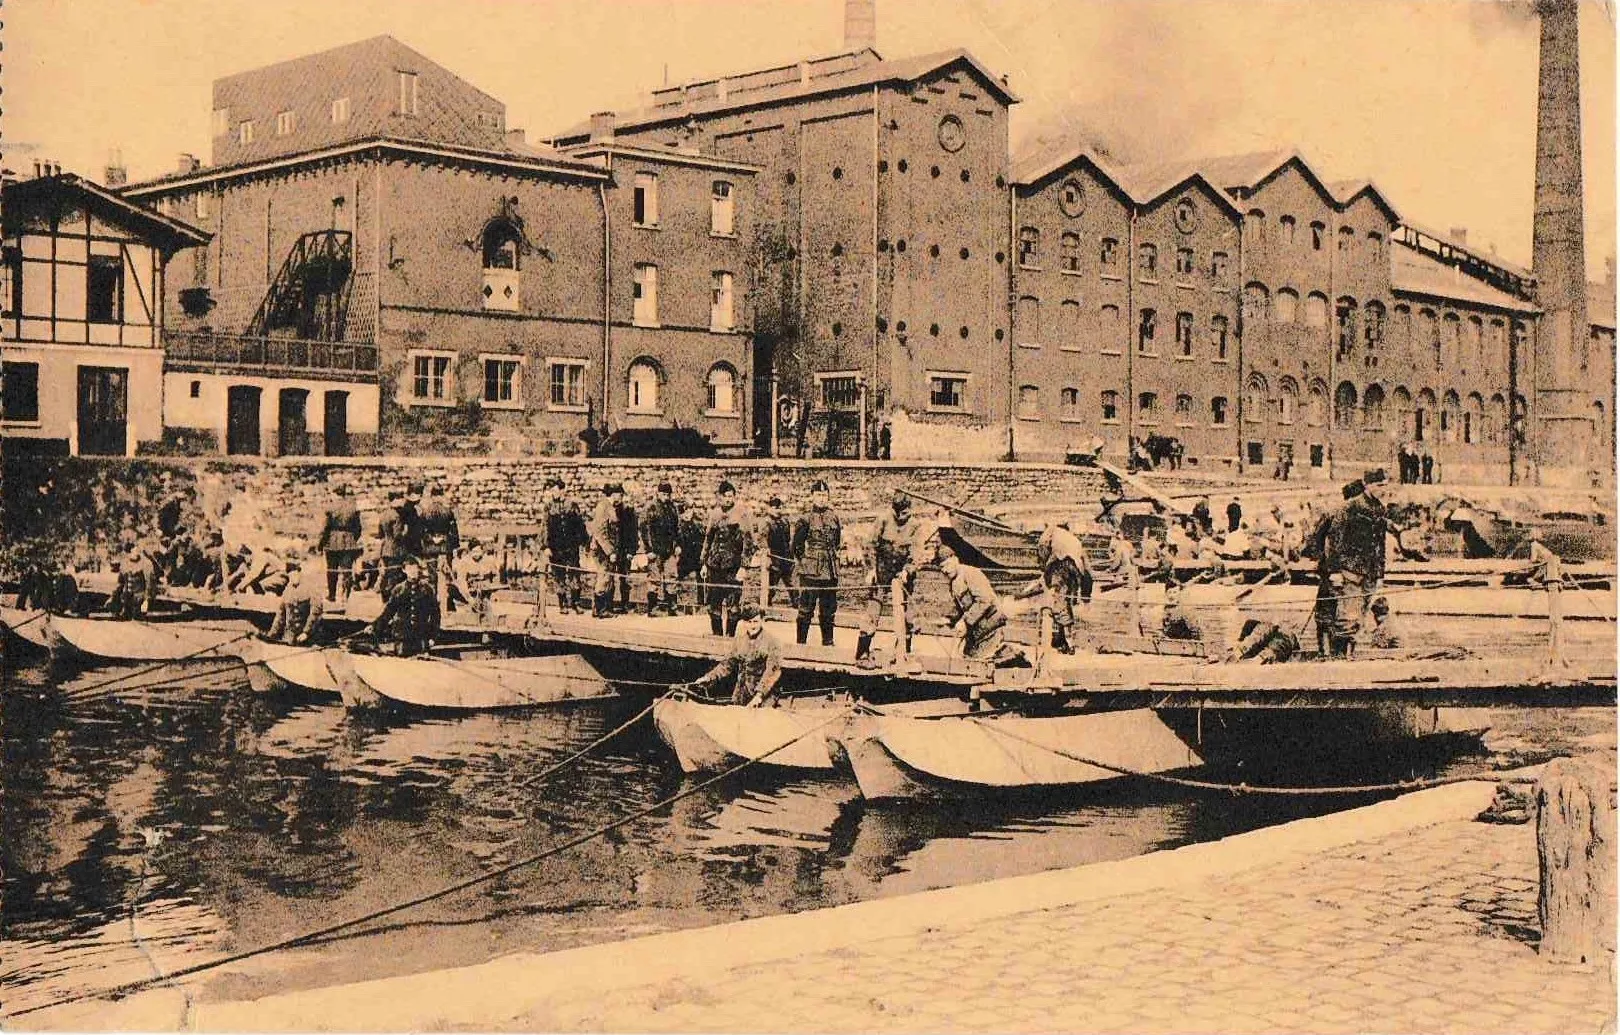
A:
(286, 122)
(408, 94)
(340, 111)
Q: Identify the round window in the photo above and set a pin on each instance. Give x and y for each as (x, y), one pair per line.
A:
(1186, 215)
(951, 134)
(1072, 198)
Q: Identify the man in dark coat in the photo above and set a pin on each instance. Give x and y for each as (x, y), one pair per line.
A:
(817, 537)
(661, 537)
(410, 619)
(340, 541)
(690, 562)
(726, 544)
(779, 541)
(441, 538)
(563, 533)
(602, 543)
(400, 531)
(1234, 515)
(1201, 516)
(629, 546)
(1349, 545)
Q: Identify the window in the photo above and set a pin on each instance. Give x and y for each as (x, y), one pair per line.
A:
(1147, 407)
(1474, 342)
(1372, 409)
(104, 289)
(1287, 400)
(644, 380)
(947, 391)
(1315, 310)
(20, 398)
(244, 132)
(1373, 324)
(1146, 328)
(1256, 307)
(1347, 240)
(500, 246)
(1449, 339)
(722, 316)
(722, 386)
(1108, 255)
(567, 382)
(1029, 402)
(1257, 453)
(1287, 229)
(1110, 407)
(1184, 262)
(1069, 252)
(1184, 334)
(1318, 455)
(1318, 231)
(1029, 321)
(1345, 316)
(840, 392)
(196, 389)
(340, 110)
(1069, 404)
(1112, 330)
(1219, 265)
(1473, 429)
(1184, 409)
(1344, 406)
(430, 377)
(407, 94)
(205, 209)
(502, 249)
(646, 200)
(1255, 224)
(722, 210)
(286, 122)
(1285, 305)
(1255, 394)
(1029, 246)
(1147, 261)
(1069, 331)
(1218, 409)
(501, 385)
(1375, 245)
(1217, 336)
(222, 121)
(645, 288)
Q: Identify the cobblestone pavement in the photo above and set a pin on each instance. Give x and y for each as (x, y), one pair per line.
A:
(1431, 930)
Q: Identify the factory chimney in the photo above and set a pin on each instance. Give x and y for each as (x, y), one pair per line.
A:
(860, 25)
(1561, 419)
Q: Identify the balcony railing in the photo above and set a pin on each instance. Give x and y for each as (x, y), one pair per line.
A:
(208, 352)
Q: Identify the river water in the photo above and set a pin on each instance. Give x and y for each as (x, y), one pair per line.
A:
(151, 825)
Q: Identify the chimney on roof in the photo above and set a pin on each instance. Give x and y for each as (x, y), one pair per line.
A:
(1459, 234)
(116, 174)
(602, 124)
(860, 25)
(517, 138)
(189, 163)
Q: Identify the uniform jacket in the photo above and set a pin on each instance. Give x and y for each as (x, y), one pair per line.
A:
(892, 546)
(629, 531)
(976, 604)
(755, 665)
(661, 532)
(401, 532)
(1352, 539)
(564, 533)
(779, 541)
(726, 542)
(441, 536)
(411, 613)
(603, 529)
(817, 537)
(342, 528)
(1060, 544)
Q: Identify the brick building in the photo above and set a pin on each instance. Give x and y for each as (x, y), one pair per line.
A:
(412, 292)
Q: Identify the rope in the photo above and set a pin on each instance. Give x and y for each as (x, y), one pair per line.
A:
(35, 617)
(588, 748)
(119, 991)
(148, 670)
(1243, 788)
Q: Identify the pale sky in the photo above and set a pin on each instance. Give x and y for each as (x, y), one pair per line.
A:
(1433, 99)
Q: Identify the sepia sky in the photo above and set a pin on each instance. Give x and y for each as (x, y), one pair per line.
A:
(1433, 99)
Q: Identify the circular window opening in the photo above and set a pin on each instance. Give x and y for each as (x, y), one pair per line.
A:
(934, 171)
(964, 253)
(883, 166)
(882, 324)
(883, 245)
(1001, 182)
(964, 333)
(901, 326)
(933, 329)
(792, 178)
(934, 251)
(966, 176)
(1000, 334)
(900, 246)
(837, 250)
(838, 172)
(838, 330)
(903, 165)
(1000, 258)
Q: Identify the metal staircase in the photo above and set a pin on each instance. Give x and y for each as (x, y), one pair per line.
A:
(309, 299)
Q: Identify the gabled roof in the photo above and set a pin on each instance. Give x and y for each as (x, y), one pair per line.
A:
(168, 233)
(1249, 172)
(1415, 273)
(531, 159)
(1148, 182)
(790, 83)
(1141, 184)
(1347, 191)
(383, 44)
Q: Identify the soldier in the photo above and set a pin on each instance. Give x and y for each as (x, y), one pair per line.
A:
(1234, 515)
(441, 538)
(298, 618)
(340, 541)
(409, 621)
(817, 538)
(977, 610)
(131, 599)
(1201, 517)
(562, 532)
(629, 544)
(661, 537)
(602, 548)
(1349, 546)
(1065, 574)
(400, 531)
(690, 560)
(754, 665)
(779, 543)
(896, 549)
(725, 546)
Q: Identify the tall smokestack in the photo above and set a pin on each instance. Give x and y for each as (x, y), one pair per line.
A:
(1561, 417)
(860, 25)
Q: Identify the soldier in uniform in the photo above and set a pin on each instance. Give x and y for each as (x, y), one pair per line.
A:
(132, 598)
(441, 538)
(896, 548)
(754, 665)
(1065, 574)
(629, 543)
(817, 538)
(779, 542)
(725, 546)
(602, 542)
(562, 534)
(298, 619)
(400, 531)
(1349, 546)
(410, 619)
(977, 609)
(661, 537)
(690, 559)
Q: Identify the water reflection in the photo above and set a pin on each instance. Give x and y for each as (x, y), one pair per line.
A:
(227, 820)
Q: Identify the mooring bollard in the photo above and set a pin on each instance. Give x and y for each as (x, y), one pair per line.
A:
(1575, 844)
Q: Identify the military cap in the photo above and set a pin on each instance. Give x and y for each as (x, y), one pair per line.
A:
(1354, 489)
(900, 499)
(726, 487)
(1374, 477)
(665, 487)
(748, 612)
(775, 501)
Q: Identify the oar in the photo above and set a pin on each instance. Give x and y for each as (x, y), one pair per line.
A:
(975, 515)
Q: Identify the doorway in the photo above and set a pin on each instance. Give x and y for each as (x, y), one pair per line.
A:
(242, 420)
(335, 423)
(292, 425)
(103, 411)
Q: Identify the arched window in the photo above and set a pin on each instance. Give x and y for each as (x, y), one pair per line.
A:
(1069, 251)
(1287, 400)
(1344, 406)
(501, 242)
(1450, 416)
(1496, 347)
(1147, 261)
(1496, 419)
(1069, 331)
(1286, 305)
(1255, 224)
(1218, 411)
(1474, 419)
(1450, 337)
(1184, 409)
(1287, 225)
(643, 386)
(1069, 404)
(1029, 402)
(1316, 404)
(1316, 310)
(1373, 324)
(1372, 408)
(1600, 425)
(1255, 394)
(1402, 330)
(1256, 304)
(1345, 316)
(1403, 411)
(1112, 330)
(1029, 320)
(1474, 343)
(722, 386)
(1375, 245)
(1423, 416)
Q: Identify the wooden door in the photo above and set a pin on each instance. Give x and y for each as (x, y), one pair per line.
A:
(103, 411)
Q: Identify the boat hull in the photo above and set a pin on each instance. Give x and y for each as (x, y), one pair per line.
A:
(283, 668)
(112, 640)
(712, 736)
(28, 626)
(896, 756)
(462, 685)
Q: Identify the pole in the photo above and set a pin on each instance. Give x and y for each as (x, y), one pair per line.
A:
(1555, 611)
(897, 594)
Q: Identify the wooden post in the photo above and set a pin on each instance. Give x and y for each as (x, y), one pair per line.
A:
(1555, 611)
(1043, 641)
(542, 593)
(1575, 842)
(897, 594)
(765, 584)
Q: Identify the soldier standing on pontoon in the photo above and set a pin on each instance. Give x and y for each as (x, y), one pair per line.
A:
(817, 538)
(563, 533)
(602, 533)
(661, 537)
(978, 610)
(1065, 575)
(726, 544)
(896, 549)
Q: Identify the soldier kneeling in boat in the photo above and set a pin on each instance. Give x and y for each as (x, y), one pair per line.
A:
(410, 619)
(298, 619)
(1065, 576)
(978, 611)
(753, 667)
